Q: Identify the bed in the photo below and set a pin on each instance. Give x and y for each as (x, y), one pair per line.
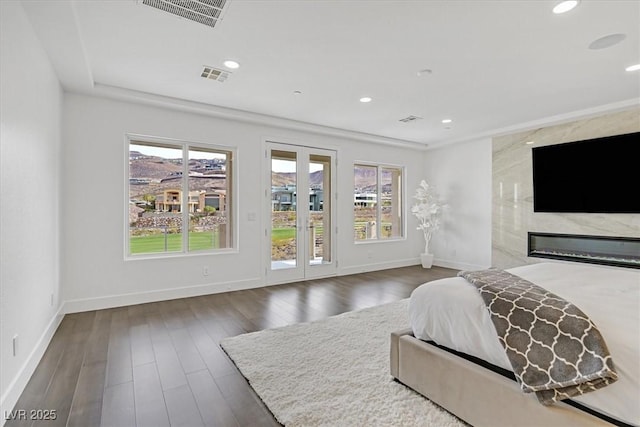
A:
(451, 354)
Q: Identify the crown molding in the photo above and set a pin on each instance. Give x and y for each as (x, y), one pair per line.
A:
(545, 122)
(145, 98)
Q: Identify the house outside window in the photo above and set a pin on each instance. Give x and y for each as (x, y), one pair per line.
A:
(378, 212)
(180, 197)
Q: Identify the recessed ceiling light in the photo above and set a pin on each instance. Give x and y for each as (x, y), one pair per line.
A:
(365, 99)
(297, 92)
(607, 41)
(447, 121)
(424, 72)
(529, 142)
(635, 67)
(565, 6)
(229, 63)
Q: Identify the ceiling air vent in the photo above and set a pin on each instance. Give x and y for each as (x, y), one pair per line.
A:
(410, 119)
(214, 74)
(207, 12)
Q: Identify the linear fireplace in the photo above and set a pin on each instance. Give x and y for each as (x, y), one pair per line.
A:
(615, 251)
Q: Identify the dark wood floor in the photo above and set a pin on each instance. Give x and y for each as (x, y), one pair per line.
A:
(160, 364)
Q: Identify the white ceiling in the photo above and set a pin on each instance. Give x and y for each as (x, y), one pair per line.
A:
(496, 65)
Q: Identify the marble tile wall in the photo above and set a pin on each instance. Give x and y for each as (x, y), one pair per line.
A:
(512, 187)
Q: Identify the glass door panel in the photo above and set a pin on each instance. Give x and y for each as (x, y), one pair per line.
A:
(319, 209)
(301, 232)
(284, 210)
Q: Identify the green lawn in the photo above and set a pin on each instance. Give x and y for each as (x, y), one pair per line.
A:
(156, 243)
(280, 234)
(197, 240)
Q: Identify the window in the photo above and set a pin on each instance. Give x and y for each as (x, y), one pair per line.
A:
(377, 202)
(180, 198)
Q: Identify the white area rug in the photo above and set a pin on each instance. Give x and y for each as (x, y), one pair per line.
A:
(334, 372)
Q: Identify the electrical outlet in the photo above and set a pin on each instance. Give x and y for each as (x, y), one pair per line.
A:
(205, 271)
(15, 344)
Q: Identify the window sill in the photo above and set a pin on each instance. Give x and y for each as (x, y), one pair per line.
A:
(374, 241)
(173, 255)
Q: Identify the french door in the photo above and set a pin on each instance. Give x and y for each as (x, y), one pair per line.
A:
(301, 205)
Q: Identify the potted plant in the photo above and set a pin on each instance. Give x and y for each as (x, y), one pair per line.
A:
(427, 209)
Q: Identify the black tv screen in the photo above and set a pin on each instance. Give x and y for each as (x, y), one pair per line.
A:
(599, 175)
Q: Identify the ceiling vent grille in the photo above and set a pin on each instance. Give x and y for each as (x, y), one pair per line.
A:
(214, 74)
(207, 12)
(410, 119)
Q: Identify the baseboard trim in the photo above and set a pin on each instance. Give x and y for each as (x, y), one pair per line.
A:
(438, 262)
(457, 265)
(112, 301)
(365, 268)
(19, 382)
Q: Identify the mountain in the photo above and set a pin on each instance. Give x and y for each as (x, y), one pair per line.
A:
(281, 179)
(155, 169)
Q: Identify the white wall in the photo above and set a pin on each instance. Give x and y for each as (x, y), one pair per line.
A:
(461, 174)
(94, 271)
(30, 151)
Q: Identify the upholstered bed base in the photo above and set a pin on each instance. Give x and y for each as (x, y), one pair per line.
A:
(474, 393)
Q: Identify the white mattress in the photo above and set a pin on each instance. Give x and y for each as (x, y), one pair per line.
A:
(452, 313)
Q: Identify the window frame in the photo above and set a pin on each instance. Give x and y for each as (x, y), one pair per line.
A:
(403, 215)
(185, 146)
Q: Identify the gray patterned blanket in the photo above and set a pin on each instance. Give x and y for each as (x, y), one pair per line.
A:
(555, 350)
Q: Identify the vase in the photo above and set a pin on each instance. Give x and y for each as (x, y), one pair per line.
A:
(427, 260)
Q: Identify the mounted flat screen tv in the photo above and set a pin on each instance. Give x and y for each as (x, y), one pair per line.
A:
(599, 175)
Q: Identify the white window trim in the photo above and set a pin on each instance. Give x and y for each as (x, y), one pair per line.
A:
(175, 143)
(403, 190)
